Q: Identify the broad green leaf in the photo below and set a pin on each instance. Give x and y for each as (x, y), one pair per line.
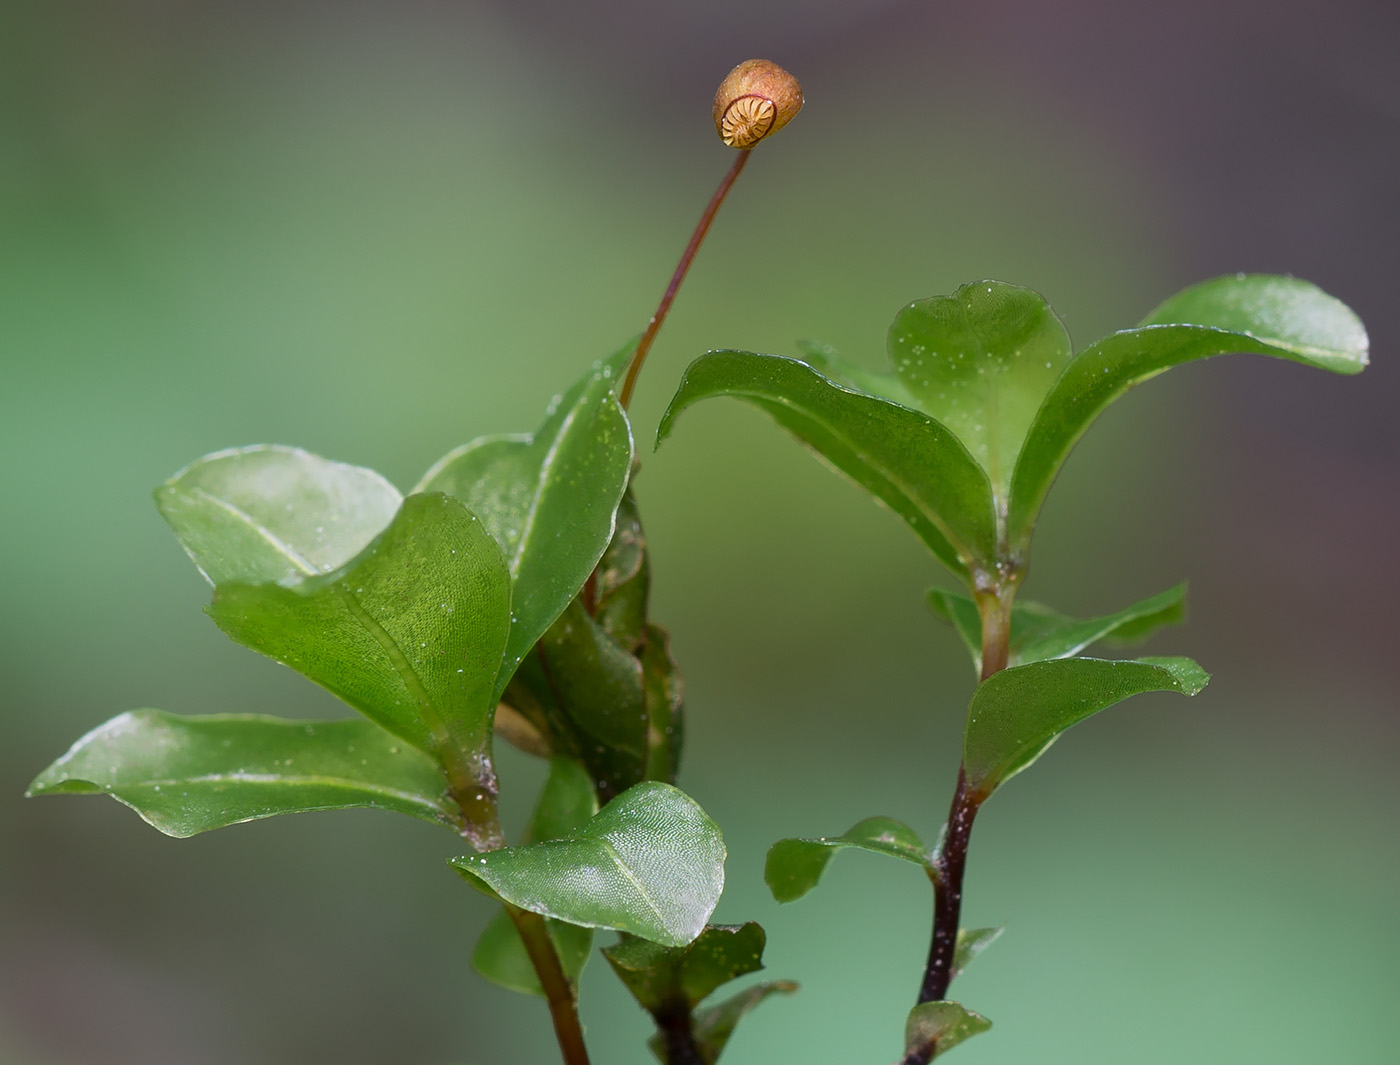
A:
(664, 979)
(271, 513)
(566, 803)
(980, 361)
(650, 863)
(500, 956)
(548, 498)
(909, 461)
(1039, 633)
(1277, 316)
(795, 865)
(971, 942)
(714, 1025)
(186, 775)
(410, 633)
(1016, 713)
(1295, 315)
(941, 1026)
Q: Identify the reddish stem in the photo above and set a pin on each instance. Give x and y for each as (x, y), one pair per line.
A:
(696, 238)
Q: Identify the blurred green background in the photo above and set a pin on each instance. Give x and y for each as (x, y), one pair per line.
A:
(377, 231)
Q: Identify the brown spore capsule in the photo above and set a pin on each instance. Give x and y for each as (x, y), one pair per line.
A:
(755, 100)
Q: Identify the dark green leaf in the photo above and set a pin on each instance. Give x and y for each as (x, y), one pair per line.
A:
(1039, 633)
(185, 775)
(980, 361)
(1278, 316)
(270, 513)
(715, 1024)
(971, 942)
(664, 979)
(909, 461)
(650, 863)
(942, 1026)
(597, 688)
(549, 498)
(566, 803)
(665, 717)
(1015, 714)
(622, 583)
(410, 633)
(795, 865)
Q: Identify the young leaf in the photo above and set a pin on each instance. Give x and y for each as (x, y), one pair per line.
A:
(971, 942)
(980, 361)
(410, 633)
(566, 803)
(1277, 316)
(549, 499)
(713, 1025)
(271, 513)
(1039, 633)
(1016, 713)
(795, 865)
(650, 863)
(500, 956)
(186, 775)
(909, 461)
(824, 358)
(940, 1026)
(664, 979)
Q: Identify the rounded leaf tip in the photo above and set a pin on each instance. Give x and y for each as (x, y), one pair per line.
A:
(756, 99)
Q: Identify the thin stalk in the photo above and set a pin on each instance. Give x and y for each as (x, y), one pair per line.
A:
(951, 860)
(696, 238)
(558, 990)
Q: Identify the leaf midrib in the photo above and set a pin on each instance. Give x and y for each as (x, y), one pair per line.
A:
(296, 780)
(286, 550)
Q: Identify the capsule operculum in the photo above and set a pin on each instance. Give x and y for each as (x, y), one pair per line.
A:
(747, 120)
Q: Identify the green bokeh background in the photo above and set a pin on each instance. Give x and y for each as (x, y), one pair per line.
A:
(377, 231)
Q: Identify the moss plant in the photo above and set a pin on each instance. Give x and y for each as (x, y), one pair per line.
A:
(506, 594)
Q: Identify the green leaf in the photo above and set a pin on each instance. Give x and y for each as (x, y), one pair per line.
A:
(795, 865)
(665, 716)
(270, 513)
(1016, 713)
(714, 1025)
(909, 461)
(566, 803)
(598, 688)
(500, 956)
(622, 581)
(410, 633)
(981, 361)
(1039, 633)
(549, 498)
(666, 979)
(1277, 316)
(824, 358)
(650, 863)
(186, 775)
(971, 942)
(942, 1026)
